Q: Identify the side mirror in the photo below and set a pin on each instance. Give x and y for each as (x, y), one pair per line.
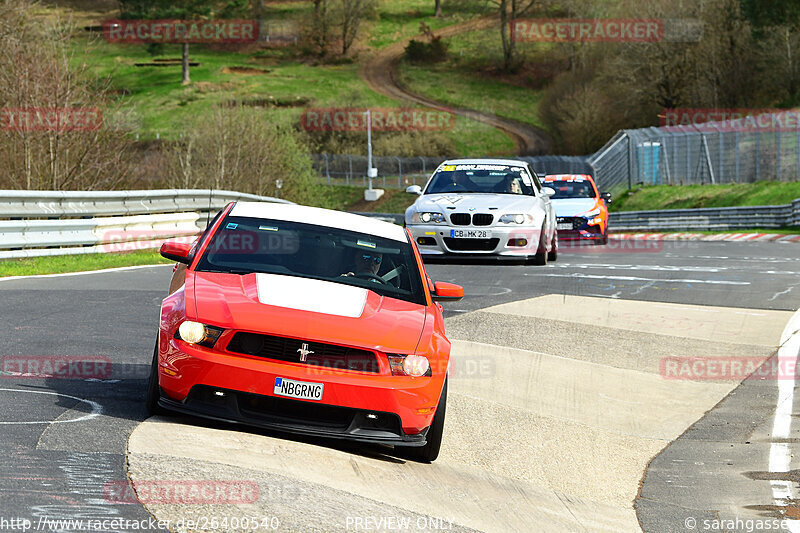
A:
(606, 196)
(450, 292)
(548, 191)
(177, 251)
(414, 189)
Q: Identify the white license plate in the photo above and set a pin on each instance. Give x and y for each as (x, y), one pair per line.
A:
(298, 389)
(470, 233)
(564, 225)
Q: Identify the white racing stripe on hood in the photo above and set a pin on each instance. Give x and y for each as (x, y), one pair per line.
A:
(311, 295)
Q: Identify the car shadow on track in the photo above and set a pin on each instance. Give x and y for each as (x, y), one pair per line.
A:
(371, 451)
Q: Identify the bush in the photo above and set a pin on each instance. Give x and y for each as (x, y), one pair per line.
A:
(240, 149)
(431, 52)
(40, 70)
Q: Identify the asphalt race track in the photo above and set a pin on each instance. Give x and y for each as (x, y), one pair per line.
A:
(560, 414)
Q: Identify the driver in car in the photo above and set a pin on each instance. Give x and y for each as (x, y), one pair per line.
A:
(366, 263)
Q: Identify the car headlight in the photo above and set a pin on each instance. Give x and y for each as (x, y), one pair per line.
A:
(591, 214)
(409, 365)
(197, 333)
(428, 217)
(518, 218)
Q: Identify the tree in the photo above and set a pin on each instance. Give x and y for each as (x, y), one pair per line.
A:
(320, 26)
(42, 72)
(437, 12)
(510, 10)
(783, 15)
(173, 9)
(350, 15)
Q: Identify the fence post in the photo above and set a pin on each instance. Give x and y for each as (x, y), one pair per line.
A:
(758, 151)
(423, 165)
(738, 153)
(720, 172)
(688, 158)
(327, 169)
(778, 154)
(399, 173)
(350, 176)
(630, 155)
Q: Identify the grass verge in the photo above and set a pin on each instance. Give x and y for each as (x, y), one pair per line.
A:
(29, 266)
(695, 196)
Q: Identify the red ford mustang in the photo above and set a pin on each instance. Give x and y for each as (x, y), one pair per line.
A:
(306, 320)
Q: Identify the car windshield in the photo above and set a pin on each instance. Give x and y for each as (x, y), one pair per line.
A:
(243, 245)
(571, 189)
(494, 179)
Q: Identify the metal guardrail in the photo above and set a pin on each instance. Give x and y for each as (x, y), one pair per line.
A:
(39, 223)
(76, 204)
(708, 219)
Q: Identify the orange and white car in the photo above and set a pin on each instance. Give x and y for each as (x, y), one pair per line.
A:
(581, 212)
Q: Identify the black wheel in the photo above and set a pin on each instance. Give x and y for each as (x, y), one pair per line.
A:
(604, 240)
(429, 452)
(541, 252)
(553, 253)
(153, 390)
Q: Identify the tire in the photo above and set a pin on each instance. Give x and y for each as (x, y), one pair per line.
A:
(429, 452)
(552, 255)
(153, 390)
(540, 258)
(604, 240)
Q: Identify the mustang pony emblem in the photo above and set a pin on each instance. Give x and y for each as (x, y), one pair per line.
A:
(304, 351)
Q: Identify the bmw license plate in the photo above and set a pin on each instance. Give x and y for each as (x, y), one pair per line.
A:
(470, 233)
(564, 225)
(298, 389)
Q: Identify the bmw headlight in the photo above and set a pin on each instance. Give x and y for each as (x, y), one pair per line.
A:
(428, 217)
(591, 214)
(518, 218)
(197, 333)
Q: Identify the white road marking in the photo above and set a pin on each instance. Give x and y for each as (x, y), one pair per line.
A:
(774, 296)
(97, 409)
(779, 453)
(83, 273)
(632, 278)
(661, 268)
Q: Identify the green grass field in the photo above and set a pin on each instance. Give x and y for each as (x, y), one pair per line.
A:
(158, 105)
(691, 196)
(78, 263)
(463, 79)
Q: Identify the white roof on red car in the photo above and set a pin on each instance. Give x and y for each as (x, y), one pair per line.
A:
(320, 217)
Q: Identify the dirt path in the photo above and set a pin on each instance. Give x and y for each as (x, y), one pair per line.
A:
(380, 72)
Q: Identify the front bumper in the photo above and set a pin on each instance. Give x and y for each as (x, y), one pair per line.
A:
(191, 376)
(436, 240)
(581, 230)
(294, 416)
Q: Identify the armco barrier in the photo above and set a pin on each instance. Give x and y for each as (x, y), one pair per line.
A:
(39, 223)
(708, 219)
